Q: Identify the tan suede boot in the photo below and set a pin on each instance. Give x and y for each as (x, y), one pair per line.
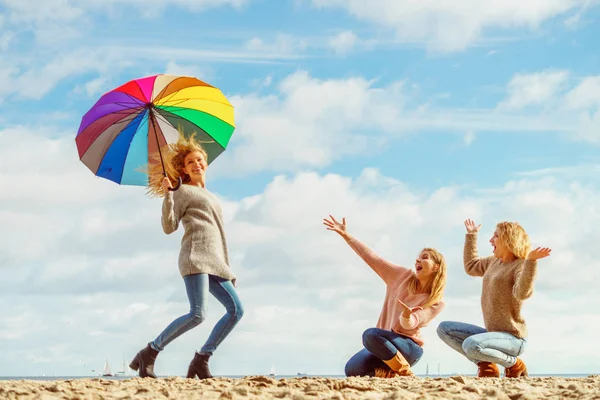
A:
(516, 371)
(398, 366)
(385, 372)
(487, 370)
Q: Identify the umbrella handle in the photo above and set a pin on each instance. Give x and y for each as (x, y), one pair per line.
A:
(178, 185)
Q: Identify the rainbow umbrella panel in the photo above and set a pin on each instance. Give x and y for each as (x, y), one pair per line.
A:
(137, 119)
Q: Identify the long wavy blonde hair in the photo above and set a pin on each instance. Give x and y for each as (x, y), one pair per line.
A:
(436, 285)
(173, 156)
(514, 238)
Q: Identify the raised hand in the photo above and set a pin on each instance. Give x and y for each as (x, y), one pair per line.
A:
(407, 312)
(333, 225)
(471, 227)
(539, 252)
(166, 184)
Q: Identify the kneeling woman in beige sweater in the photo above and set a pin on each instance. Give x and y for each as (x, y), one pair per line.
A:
(508, 278)
(412, 300)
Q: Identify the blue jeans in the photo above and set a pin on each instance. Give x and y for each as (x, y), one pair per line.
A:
(381, 345)
(197, 287)
(478, 345)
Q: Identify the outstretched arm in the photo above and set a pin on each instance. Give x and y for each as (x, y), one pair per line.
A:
(525, 276)
(385, 269)
(474, 265)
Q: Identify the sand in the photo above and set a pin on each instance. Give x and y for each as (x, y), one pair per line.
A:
(262, 387)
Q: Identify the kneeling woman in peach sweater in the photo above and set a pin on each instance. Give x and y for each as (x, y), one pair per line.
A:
(508, 278)
(413, 299)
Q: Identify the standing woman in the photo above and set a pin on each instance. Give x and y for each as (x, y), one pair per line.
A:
(508, 278)
(203, 258)
(412, 300)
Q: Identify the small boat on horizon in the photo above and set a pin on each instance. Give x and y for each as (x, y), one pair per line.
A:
(123, 369)
(107, 371)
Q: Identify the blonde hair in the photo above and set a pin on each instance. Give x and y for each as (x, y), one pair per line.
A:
(437, 285)
(173, 156)
(514, 238)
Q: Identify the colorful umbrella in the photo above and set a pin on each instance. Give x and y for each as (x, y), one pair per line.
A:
(137, 119)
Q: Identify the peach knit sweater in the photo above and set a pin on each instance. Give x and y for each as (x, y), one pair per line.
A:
(397, 280)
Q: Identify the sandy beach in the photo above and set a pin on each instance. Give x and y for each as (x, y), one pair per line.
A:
(261, 387)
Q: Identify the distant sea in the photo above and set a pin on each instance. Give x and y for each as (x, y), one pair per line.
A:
(123, 377)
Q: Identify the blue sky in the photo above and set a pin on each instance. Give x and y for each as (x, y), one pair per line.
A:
(406, 120)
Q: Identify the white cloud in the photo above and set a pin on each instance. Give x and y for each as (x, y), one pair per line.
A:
(34, 80)
(573, 21)
(590, 126)
(534, 89)
(5, 39)
(451, 26)
(584, 99)
(90, 270)
(282, 44)
(577, 21)
(57, 22)
(28, 78)
(260, 83)
(174, 68)
(343, 42)
(37, 12)
(310, 123)
(27, 11)
(586, 94)
(575, 171)
(551, 95)
(93, 87)
(8, 72)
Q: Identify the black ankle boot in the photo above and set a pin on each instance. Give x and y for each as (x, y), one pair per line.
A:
(199, 367)
(144, 361)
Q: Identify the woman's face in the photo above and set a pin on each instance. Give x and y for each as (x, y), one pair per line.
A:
(499, 248)
(194, 164)
(425, 266)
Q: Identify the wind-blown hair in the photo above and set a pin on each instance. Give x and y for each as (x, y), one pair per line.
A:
(173, 156)
(514, 238)
(438, 283)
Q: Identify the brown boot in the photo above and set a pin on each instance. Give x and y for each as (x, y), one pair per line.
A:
(517, 370)
(487, 370)
(144, 361)
(398, 366)
(199, 367)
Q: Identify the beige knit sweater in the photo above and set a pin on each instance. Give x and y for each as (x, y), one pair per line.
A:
(505, 286)
(203, 245)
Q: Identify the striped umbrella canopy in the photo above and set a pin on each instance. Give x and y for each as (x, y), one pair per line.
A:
(137, 119)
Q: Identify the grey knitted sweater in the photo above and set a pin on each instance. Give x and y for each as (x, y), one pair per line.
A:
(203, 245)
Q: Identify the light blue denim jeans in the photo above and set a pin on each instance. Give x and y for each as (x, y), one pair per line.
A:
(478, 345)
(198, 287)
